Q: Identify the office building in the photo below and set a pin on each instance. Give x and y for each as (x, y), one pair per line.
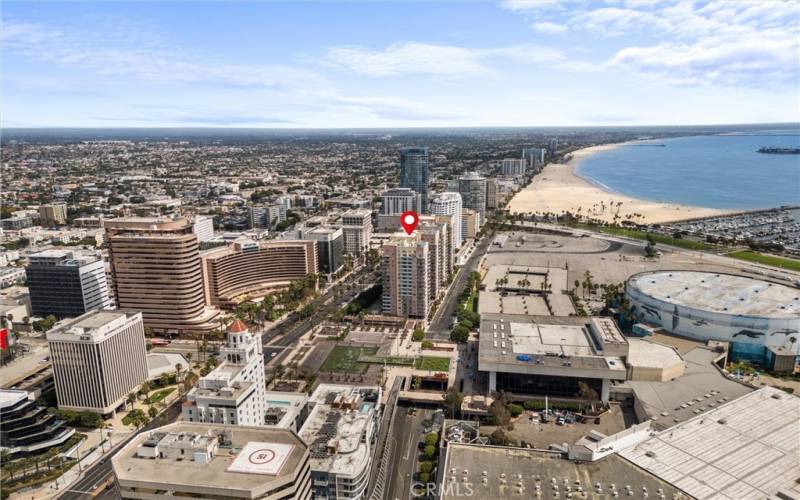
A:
(341, 431)
(156, 269)
(267, 217)
(473, 192)
(66, 283)
(449, 204)
(399, 200)
(247, 269)
(235, 391)
(406, 276)
(551, 356)
(213, 461)
(53, 215)
(330, 248)
(491, 194)
(16, 222)
(414, 173)
(98, 359)
(27, 427)
(10, 276)
(470, 223)
(513, 167)
(203, 228)
(357, 229)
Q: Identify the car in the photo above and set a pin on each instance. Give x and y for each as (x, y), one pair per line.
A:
(273, 354)
(560, 421)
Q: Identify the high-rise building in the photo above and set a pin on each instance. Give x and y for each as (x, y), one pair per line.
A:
(470, 223)
(213, 461)
(235, 391)
(414, 173)
(399, 200)
(266, 217)
(53, 215)
(330, 248)
(156, 269)
(513, 167)
(552, 147)
(98, 359)
(341, 431)
(357, 229)
(203, 228)
(491, 194)
(248, 269)
(437, 235)
(473, 192)
(449, 204)
(535, 157)
(406, 276)
(66, 283)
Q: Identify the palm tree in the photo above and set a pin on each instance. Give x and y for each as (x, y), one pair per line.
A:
(178, 368)
(132, 399)
(145, 390)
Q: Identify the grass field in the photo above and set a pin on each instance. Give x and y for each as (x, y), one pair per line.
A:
(158, 396)
(390, 360)
(344, 359)
(770, 260)
(433, 363)
(642, 235)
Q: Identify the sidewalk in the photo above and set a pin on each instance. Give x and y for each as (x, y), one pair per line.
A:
(60, 484)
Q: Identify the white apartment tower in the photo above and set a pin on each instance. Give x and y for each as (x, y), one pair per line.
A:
(98, 359)
(513, 167)
(235, 392)
(449, 203)
(357, 229)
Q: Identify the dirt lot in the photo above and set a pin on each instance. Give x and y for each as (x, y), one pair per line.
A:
(528, 428)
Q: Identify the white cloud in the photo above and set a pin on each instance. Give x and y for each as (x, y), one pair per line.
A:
(416, 58)
(531, 5)
(549, 28)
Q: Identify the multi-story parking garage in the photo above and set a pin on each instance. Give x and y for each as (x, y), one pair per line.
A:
(751, 314)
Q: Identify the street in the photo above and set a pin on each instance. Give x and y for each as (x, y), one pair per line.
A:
(407, 432)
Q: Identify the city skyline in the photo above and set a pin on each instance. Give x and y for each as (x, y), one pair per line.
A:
(472, 64)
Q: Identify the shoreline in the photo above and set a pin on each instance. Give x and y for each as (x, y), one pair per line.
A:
(561, 188)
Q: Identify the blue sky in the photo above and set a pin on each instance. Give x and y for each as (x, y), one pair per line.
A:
(399, 64)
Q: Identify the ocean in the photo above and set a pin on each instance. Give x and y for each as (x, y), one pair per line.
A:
(715, 171)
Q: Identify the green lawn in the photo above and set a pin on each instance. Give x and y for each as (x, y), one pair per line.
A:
(770, 260)
(158, 396)
(344, 359)
(390, 360)
(433, 363)
(642, 235)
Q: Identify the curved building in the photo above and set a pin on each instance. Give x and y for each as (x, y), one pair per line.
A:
(155, 265)
(749, 313)
(448, 203)
(28, 428)
(249, 269)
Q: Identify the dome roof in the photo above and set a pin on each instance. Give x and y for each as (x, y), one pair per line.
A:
(237, 326)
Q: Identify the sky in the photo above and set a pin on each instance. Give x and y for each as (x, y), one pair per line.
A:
(399, 64)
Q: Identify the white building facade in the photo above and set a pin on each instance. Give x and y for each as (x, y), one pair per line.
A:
(235, 391)
(449, 203)
(357, 229)
(98, 359)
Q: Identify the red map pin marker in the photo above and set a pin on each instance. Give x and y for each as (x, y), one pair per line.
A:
(409, 221)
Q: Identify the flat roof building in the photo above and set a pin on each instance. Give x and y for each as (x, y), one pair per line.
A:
(340, 432)
(547, 355)
(66, 283)
(214, 461)
(357, 229)
(330, 248)
(98, 359)
(405, 266)
(745, 448)
(156, 268)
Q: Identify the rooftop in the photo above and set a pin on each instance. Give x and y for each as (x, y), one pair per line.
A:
(721, 293)
(532, 343)
(95, 324)
(222, 472)
(341, 415)
(497, 473)
(746, 448)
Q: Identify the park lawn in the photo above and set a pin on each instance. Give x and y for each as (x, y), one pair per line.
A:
(344, 359)
(158, 396)
(642, 235)
(389, 360)
(770, 260)
(433, 363)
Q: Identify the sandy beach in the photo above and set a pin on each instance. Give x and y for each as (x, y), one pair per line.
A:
(559, 189)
